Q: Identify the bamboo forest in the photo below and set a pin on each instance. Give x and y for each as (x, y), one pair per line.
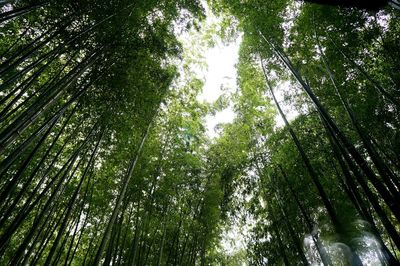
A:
(119, 146)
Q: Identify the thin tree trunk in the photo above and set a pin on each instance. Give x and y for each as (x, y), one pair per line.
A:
(390, 201)
(160, 255)
(4, 238)
(84, 223)
(10, 186)
(3, 54)
(293, 234)
(375, 83)
(279, 239)
(120, 198)
(31, 114)
(321, 249)
(19, 11)
(370, 195)
(360, 206)
(354, 259)
(71, 204)
(384, 171)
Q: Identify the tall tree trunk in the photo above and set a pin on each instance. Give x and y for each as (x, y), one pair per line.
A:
(71, 204)
(375, 83)
(362, 209)
(354, 259)
(10, 186)
(370, 195)
(120, 198)
(386, 195)
(385, 172)
(293, 234)
(310, 224)
(279, 239)
(18, 220)
(20, 11)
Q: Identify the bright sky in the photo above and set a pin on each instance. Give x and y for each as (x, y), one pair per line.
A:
(221, 72)
(220, 77)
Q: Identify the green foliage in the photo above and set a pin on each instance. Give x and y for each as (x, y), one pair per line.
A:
(104, 156)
